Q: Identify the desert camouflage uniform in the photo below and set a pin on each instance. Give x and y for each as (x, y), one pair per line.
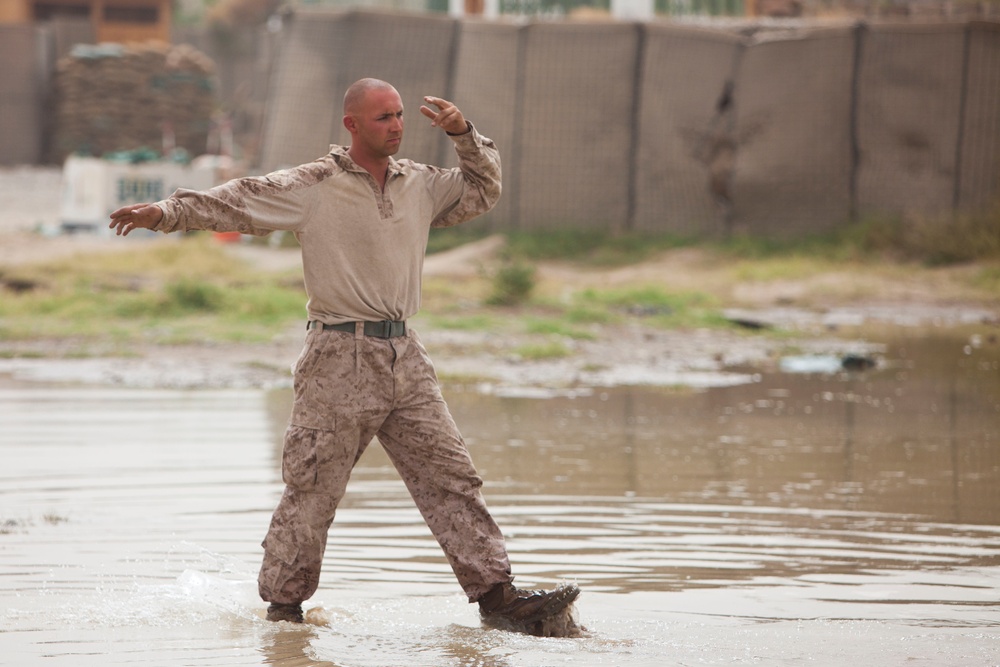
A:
(362, 253)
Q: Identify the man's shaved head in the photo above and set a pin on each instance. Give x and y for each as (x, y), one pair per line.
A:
(357, 91)
(373, 114)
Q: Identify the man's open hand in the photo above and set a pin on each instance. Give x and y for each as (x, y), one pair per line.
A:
(135, 216)
(448, 117)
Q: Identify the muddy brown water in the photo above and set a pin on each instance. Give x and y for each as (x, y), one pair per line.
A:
(810, 515)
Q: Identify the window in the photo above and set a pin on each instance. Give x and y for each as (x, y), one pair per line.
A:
(119, 14)
(45, 11)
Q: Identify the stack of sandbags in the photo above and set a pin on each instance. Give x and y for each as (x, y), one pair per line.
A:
(121, 98)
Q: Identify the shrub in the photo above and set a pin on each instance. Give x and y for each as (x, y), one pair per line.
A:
(193, 295)
(513, 283)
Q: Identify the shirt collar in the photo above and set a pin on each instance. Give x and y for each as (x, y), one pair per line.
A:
(343, 159)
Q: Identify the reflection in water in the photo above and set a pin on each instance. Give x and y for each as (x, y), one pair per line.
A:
(291, 647)
(806, 517)
(920, 436)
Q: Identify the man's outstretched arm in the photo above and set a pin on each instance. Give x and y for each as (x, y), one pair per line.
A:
(254, 205)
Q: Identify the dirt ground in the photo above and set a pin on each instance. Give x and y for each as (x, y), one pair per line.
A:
(827, 313)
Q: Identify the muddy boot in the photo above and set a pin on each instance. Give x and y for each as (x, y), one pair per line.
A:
(511, 608)
(292, 613)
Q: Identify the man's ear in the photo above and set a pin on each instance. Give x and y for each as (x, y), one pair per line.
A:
(350, 123)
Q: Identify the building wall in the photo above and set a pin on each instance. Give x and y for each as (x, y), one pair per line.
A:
(15, 11)
(112, 20)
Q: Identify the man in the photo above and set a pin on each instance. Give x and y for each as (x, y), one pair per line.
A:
(362, 219)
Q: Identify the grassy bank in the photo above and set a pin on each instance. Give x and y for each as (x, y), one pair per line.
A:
(166, 292)
(924, 240)
(193, 290)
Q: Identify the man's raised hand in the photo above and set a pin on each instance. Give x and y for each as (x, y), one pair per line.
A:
(448, 117)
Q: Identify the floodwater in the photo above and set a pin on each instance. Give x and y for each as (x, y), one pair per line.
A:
(809, 516)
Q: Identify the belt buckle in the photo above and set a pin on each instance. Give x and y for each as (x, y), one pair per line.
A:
(379, 328)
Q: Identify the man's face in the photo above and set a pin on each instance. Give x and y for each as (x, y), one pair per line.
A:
(377, 124)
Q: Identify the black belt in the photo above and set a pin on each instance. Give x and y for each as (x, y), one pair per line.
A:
(383, 329)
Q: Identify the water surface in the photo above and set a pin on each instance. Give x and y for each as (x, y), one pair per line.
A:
(812, 515)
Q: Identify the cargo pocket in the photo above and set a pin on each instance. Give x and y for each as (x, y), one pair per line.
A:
(300, 457)
(319, 460)
(279, 566)
(280, 545)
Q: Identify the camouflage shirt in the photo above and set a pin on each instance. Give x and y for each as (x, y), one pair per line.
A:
(362, 247)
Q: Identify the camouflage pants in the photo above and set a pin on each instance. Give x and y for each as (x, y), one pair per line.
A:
(349, 388)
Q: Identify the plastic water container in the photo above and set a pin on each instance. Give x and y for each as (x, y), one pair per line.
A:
(93, 187)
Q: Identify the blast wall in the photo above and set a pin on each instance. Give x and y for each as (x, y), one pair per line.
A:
(651, 127)
(323, 53)
(662, 128)
(575, 125)
(908, 138)
(487, 90)
(793, 132)
(685, 148)
(979, 148)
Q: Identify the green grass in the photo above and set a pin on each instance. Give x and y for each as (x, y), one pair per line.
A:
(987, 278)
(555, 327)
(931, 240)
(650, 303)
(582, 312)
(471, 322)
(189, 289)
(552, 349)
(447, 238)
(782, 267)
(595, 248)
(181, 291)
(575, 316)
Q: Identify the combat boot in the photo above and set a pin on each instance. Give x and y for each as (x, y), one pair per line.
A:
(507, 605)
(292, 613)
